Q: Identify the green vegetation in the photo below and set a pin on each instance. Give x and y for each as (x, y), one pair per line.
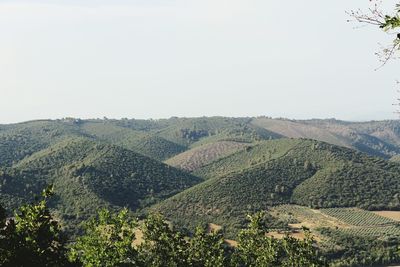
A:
(347, 236)
(144, 142)
(347, 249)
(20, 140)
(107, 241)
(33, 238)
(88, 175)
(253, 245)
(162, 139)
(284, 171)
(367, 224)
(155, 147)
(230, 167)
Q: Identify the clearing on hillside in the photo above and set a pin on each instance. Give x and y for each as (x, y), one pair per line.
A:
(200, 156)
(394, 215)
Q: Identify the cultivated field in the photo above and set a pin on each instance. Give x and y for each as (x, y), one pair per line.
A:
(365, 223)
(353, 221)
(358, 217)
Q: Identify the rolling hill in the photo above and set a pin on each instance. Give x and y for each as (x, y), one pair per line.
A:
(88, 175)
(303, 172)
(377, 138)
(165, 138)
(23, 139)
(247, 164)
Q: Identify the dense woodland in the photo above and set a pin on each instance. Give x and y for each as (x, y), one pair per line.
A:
(168, 180)
(34, 238)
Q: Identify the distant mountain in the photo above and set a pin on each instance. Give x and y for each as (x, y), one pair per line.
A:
(165, 138)
(304, 172)
(377, 138)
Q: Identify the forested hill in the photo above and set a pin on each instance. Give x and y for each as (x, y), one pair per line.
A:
(270, 173)
(164, 138)
(249, 164)
(88, 175)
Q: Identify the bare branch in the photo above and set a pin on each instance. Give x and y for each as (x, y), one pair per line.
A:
(388, 23)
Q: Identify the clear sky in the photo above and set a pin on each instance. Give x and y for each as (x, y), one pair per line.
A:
(162, 58)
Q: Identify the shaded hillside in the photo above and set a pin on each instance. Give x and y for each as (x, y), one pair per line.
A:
(155, 147)
(196, 131)
(87, 175)
(202, 155)
(20, 140)
(141, 141)
(276, 172)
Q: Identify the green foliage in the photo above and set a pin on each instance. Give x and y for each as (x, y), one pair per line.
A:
(108, 241)
(20, 140)
(162, 245)
(207, 249)
(284, 171)
(88, 175)
(256, 249)
(100, 163)
(347, 249)
(32, 237)
(392, 22)
(155, 147)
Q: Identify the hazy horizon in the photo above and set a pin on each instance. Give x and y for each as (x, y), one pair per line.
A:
(186, 117)
(159, 58)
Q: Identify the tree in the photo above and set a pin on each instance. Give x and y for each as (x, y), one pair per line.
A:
(32, 237)
(206, 249)
(108, 241)
(255, 248)
(162, 246)
(389, 23)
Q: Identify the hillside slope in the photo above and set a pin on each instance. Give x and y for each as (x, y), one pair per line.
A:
(165, 138)
(303, 172)
(200, 156)
(377, 138)
(88, 175)
(18, 141)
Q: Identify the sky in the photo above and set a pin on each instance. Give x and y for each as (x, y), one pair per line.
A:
(190, 58)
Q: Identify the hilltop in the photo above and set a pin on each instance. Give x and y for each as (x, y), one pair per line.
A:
(166, 138)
